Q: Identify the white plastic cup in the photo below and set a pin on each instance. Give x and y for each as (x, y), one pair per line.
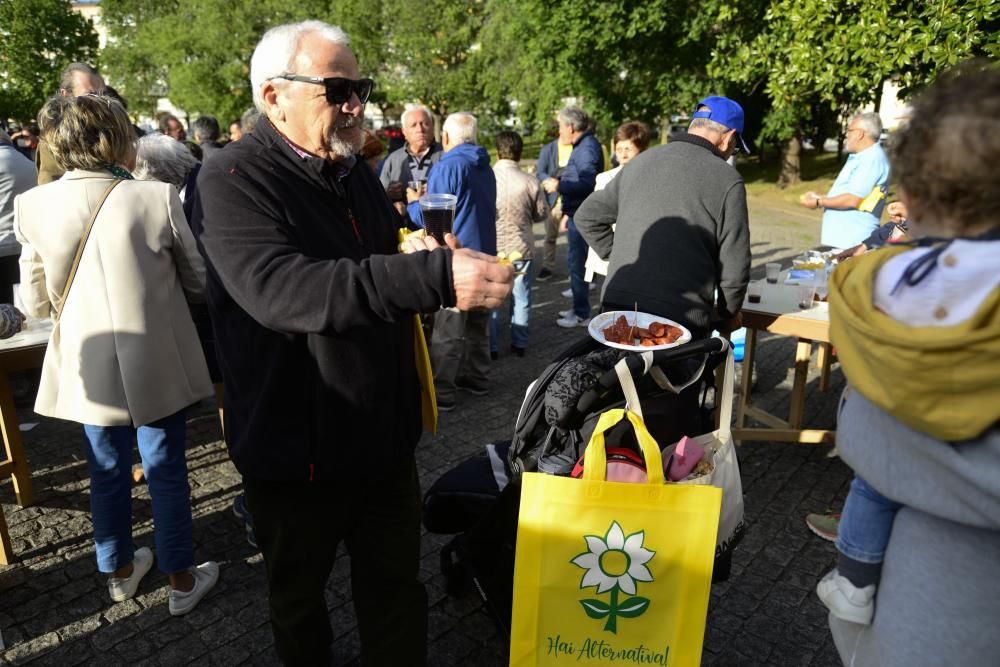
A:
(820, 281)
(773, 270)
(806, 292)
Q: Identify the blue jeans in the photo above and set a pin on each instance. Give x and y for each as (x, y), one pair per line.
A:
(109, 457)
(865, 523)
(520, 310)
(577, 260)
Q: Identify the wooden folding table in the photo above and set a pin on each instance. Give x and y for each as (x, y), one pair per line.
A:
(778, 312)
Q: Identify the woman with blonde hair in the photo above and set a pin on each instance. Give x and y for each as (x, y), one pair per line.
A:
(113, 262)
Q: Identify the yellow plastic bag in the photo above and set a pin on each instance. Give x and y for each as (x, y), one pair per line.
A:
(610, 573)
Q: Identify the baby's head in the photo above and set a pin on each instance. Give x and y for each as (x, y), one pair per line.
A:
(945, 160)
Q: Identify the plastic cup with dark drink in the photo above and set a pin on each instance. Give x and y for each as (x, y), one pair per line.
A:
(773, 270)
(754, 291)
(439, 213)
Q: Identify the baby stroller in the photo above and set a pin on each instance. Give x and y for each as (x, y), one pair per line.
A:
(478, 500)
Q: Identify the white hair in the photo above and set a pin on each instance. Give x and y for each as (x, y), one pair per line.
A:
(708, 124)
(870, 123)
(413, 109)
(160, 158)
(575, 117)
(461, 127)
(276, 51)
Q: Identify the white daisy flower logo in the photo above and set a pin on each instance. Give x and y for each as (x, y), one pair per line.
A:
(615, 563)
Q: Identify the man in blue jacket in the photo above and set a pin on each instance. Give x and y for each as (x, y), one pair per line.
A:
(460, 352)
(576, 182)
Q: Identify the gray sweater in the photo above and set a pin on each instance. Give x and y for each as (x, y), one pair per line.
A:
(682, 232)
(938, 601)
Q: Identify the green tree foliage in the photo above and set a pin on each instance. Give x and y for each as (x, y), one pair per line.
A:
(622, 59)
(432, 45)
(799, 65)
(197, 52)
(835, 54)
(38, 38)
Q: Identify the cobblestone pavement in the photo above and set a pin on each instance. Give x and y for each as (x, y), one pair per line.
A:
(54, 607)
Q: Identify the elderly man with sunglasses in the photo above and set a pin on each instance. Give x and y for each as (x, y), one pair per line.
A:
(313, 310)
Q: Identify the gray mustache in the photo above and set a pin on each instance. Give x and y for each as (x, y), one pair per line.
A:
(346, 123)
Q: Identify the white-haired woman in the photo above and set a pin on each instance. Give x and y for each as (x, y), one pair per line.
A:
(160, 158)
(113, 260)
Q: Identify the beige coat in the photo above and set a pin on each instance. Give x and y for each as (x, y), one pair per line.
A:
(520, 203)
(125, 350)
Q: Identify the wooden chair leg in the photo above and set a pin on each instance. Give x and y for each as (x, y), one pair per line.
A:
(803, 352)
(746, 382)
(6, 548)
(13, 446)
(823, 361)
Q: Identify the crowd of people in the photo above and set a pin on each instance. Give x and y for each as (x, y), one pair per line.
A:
(267, 271)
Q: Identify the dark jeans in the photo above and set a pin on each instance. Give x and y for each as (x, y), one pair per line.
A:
(299, 525)
(576, 258)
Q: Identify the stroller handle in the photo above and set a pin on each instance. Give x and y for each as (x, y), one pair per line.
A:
(636, 367)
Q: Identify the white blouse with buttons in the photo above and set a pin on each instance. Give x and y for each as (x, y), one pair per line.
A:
(966, 274)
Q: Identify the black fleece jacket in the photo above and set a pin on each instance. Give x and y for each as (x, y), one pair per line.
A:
(312, 308)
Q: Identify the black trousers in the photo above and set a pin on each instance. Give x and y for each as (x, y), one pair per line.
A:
(298, 527)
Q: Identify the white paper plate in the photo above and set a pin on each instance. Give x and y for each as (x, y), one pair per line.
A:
(601, 322)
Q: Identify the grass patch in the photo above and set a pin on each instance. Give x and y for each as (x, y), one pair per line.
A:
(819, 170)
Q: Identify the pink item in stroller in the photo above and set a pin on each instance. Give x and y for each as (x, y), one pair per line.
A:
(680, 458)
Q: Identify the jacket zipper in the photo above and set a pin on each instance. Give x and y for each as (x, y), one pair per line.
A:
(354, 225)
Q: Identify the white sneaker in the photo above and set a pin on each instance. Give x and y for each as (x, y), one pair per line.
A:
(572, 320)
(565, 313)
(123, 588)
(845, 600)
(205, 576)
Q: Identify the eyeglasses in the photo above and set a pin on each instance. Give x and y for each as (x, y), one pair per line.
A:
(338, 88)
(853, 129)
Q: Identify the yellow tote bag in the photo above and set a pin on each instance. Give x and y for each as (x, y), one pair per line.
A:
(610, 573)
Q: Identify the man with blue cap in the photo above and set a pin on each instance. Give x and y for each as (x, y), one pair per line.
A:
(681, 249)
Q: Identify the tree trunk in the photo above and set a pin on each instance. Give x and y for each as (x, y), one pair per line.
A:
(790, 163)
(664, 128)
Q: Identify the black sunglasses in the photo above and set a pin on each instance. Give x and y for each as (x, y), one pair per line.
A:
(338, 88)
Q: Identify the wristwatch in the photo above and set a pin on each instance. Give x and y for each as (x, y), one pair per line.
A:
(818, 200)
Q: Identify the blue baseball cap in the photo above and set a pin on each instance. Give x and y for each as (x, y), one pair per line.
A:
(725, 112)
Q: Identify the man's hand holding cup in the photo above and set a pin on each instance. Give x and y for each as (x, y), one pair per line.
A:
(481, 281)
